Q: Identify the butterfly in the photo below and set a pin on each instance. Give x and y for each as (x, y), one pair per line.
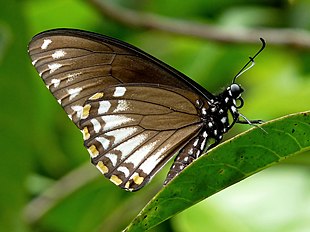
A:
(134, 111)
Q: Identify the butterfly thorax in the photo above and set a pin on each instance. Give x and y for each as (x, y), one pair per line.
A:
(215, 112)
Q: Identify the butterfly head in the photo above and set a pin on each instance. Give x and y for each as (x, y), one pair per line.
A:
(234, 91)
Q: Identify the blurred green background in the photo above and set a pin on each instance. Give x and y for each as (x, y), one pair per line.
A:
(47, 182)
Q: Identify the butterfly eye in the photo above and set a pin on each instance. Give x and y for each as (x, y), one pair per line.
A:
(236, 90)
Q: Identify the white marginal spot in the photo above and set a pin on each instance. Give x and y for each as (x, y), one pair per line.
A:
(121, 134)
(140, 154)
(112, 158)
(150, 163)
(74, 92)
(127, 147)
(56, 82)
(210, 124)
(119, 91)
(226, 99)
(34, 62)
(105, 143)
(215, 132)
(104, 107)
(124, 170)
(45, 44)
(59, 101)
(112, 121)
(58, 54)
(78, 110)
(96, 125)
(53, 67)
(122, 106)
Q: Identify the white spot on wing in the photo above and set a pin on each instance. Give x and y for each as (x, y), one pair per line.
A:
(127, 147)
(58, 54)
(112, 158)
(34, 62)
(119, 91)
(56, 82)
(124, 170)
(96, 125)
(45, 44)
(104, 107)
(72, 76)
(121, 134)
(53, 67)
(78, 110)
(122, 106)
(105, 143)
(140, 154)
(74, 92)
(112, 121)
(150, 163)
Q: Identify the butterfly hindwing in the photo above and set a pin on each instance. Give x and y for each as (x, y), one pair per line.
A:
(130, 135)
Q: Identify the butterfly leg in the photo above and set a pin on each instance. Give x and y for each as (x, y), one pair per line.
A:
(250, 122)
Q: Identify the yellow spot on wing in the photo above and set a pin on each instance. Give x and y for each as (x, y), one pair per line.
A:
(102, 168)
(93, 151)
(115, 180)
(137, 179)
(96, 96)
(127, 185)
(85, 133)
(86, 110)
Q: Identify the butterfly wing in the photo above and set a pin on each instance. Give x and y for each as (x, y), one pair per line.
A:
(134, 111)
(76, 64)
(130, 135)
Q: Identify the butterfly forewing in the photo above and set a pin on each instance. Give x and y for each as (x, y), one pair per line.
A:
(75, 65)
(130, 136)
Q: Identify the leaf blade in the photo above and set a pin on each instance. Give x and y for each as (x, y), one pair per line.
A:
(248, 153)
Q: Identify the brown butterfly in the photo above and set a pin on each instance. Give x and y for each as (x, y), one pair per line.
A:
(134, 111)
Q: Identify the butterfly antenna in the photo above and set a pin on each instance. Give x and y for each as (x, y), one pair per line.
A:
(251, 61)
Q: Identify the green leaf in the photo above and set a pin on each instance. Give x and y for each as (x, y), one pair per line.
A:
(227, 164)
